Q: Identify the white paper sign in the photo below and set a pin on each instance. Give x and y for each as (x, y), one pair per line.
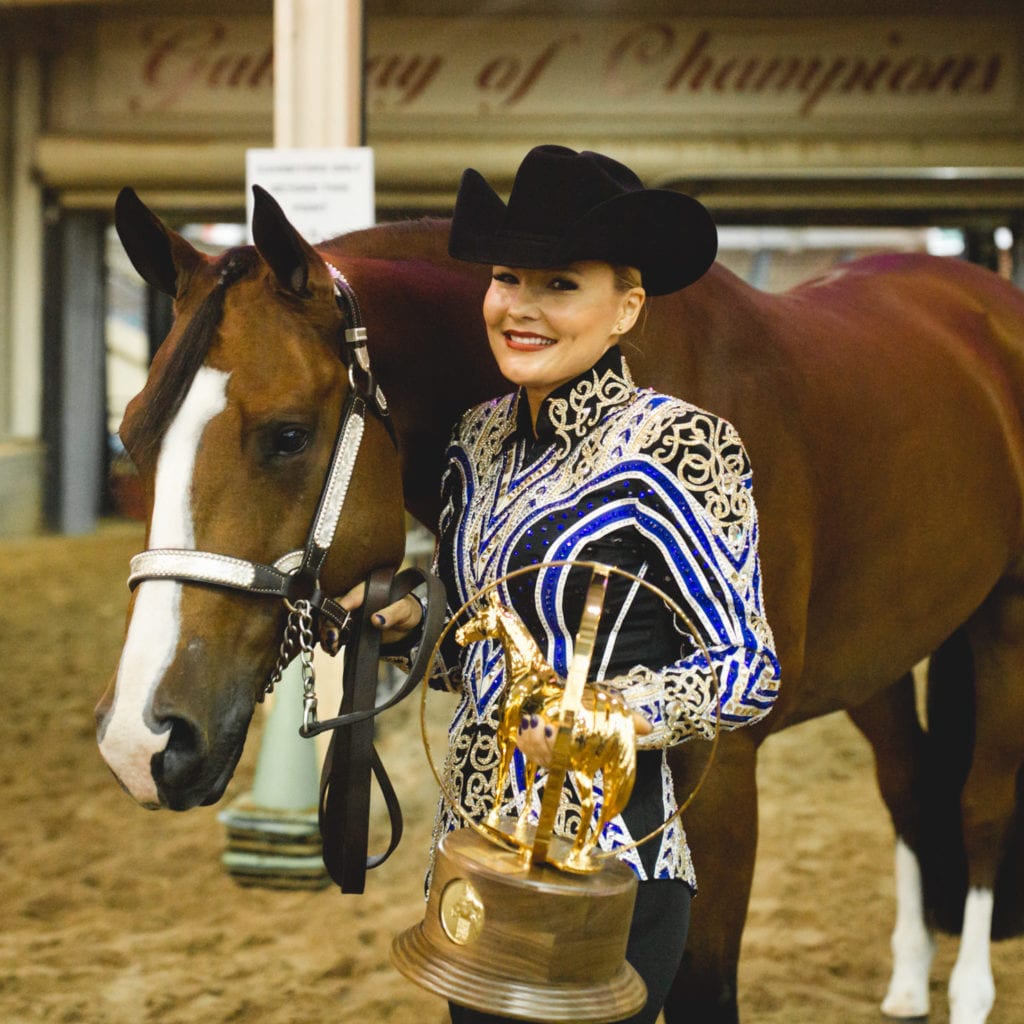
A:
(323, 192)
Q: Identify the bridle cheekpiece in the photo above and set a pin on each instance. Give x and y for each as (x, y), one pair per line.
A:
(295, 576)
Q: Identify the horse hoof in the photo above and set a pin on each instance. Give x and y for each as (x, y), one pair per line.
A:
(971, 1010)
(907, 998)
(906, 1003)
(896, 1014)
(967, 1015)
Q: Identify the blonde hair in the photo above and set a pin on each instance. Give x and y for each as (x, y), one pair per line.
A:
(626, 277)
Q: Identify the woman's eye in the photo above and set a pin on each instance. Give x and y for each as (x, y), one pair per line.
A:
(504, 277)
(563, 284)
(290, 440)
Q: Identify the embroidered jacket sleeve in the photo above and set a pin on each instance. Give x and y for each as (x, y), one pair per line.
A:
(697, 511)
(446, 669)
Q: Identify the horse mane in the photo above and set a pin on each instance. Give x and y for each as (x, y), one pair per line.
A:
(422, 239)
(191, 349)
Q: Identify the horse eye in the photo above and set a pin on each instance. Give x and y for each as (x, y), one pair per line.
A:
(290, 440)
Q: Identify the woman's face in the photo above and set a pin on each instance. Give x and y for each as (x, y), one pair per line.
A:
(548, 326)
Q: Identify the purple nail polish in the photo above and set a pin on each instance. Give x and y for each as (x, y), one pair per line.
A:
(548, 731)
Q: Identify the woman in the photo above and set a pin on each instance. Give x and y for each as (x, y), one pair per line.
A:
(580, 464)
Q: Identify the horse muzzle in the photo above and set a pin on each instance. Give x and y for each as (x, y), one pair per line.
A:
(168, 756)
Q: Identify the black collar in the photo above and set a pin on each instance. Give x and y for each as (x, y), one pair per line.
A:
(572, 409)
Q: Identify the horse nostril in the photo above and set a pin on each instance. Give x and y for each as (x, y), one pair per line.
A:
(184, 738)
(179, 764)
(101, 715)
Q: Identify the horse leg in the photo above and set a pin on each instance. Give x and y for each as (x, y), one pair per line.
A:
(584, 780)
(889, 723)
(505, 738)
(721, 827)
(988, 802)
(523, 824)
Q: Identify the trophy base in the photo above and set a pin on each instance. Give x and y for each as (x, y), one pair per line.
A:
(507, 832)
(524, 941)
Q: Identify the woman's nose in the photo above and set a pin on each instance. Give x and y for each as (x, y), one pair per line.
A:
(523, 304)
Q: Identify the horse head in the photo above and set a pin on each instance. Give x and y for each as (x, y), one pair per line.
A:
(233, 437)
(485, 624)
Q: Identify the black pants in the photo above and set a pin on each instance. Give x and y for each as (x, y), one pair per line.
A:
(657, 937)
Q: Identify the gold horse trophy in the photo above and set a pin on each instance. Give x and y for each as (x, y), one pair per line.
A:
(522, 921)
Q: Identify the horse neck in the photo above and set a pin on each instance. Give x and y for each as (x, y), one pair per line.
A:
(693, 339)
(426, 340)
(522, 655)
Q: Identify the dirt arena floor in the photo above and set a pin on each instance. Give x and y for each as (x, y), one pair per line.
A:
(115, 915)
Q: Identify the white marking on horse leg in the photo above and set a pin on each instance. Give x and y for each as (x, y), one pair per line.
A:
(912, 943)
(972, 989)
(129, 740)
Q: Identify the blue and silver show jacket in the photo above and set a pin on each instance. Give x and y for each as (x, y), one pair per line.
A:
(646, 483)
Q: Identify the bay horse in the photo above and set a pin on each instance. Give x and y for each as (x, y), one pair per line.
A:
(881, 407)
(603, 735)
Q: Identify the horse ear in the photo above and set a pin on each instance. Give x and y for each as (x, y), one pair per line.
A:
(161, 256)
(277, 241)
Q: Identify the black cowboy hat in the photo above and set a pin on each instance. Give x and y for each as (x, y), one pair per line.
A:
(567, 206)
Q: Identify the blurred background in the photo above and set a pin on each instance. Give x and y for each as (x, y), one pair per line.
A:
(816, 132)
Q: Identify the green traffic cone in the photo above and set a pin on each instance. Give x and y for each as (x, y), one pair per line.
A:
(273, 830)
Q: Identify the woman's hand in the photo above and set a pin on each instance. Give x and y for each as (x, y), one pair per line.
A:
(536, 738)
(395, 621)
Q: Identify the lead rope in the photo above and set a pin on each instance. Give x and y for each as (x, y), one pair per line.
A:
(351, 757)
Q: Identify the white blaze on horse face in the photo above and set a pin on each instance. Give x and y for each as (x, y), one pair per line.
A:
(129, 741)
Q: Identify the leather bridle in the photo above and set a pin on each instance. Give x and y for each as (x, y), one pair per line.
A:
(296, 574)
(295, 578)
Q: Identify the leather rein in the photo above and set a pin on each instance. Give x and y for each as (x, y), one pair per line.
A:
(344, 804)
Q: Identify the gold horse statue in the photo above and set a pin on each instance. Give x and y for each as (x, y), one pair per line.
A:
(603, 736)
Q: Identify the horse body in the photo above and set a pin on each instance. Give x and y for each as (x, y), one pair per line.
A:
(881, 407)
(891, 419)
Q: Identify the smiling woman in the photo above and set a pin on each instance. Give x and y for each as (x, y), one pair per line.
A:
(581, 464)
(548, 326)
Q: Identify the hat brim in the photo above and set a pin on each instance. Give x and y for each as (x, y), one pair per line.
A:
(668, 236)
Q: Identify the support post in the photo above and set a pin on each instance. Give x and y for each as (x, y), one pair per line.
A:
(318, 77)
(318, 73)
(75, 384)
